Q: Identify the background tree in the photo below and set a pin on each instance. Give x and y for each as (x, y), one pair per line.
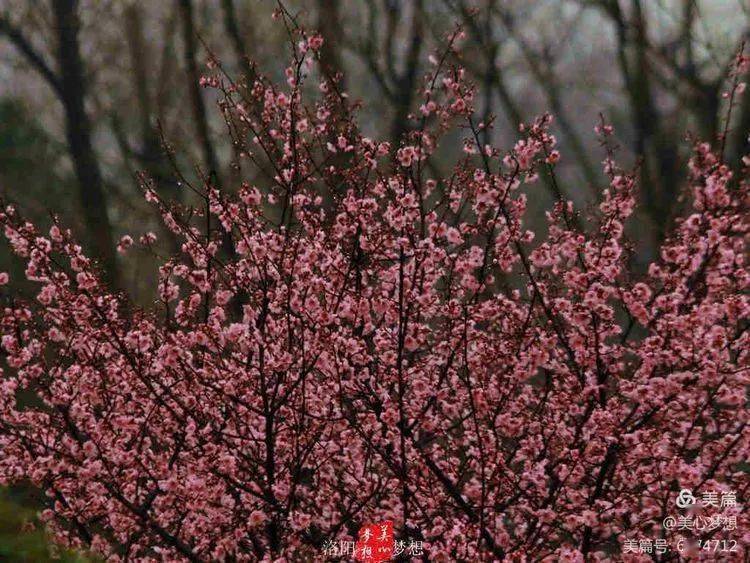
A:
(655, 69)
(69, 84)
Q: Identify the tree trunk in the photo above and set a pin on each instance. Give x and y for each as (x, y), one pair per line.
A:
(329, 25)
(193, 76)
(238, 44)
(150, 153)
(72, 78)
(407, 81)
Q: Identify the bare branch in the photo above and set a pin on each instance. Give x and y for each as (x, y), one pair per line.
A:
(35, 59)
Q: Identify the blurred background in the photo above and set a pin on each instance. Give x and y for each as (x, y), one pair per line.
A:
(86, 85)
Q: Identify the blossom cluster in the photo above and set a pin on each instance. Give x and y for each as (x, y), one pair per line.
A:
(345, 338)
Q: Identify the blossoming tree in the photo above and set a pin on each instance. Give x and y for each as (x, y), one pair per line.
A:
(351, 340)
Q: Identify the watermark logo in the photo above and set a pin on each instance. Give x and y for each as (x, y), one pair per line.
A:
(715, 513)
(375, 542)
(685, 498)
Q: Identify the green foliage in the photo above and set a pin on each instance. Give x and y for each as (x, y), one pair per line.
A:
(28, 155)
(22, 537)
(33, 173)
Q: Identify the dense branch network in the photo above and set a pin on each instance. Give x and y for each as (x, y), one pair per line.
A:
(380, 345)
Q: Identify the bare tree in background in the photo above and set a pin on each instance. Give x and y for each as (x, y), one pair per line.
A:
(379, 49)
(657, 75)
(329, 26)
(239, 45)
(190, 46)
(69, 85)
(653, 67)
(150, 154)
